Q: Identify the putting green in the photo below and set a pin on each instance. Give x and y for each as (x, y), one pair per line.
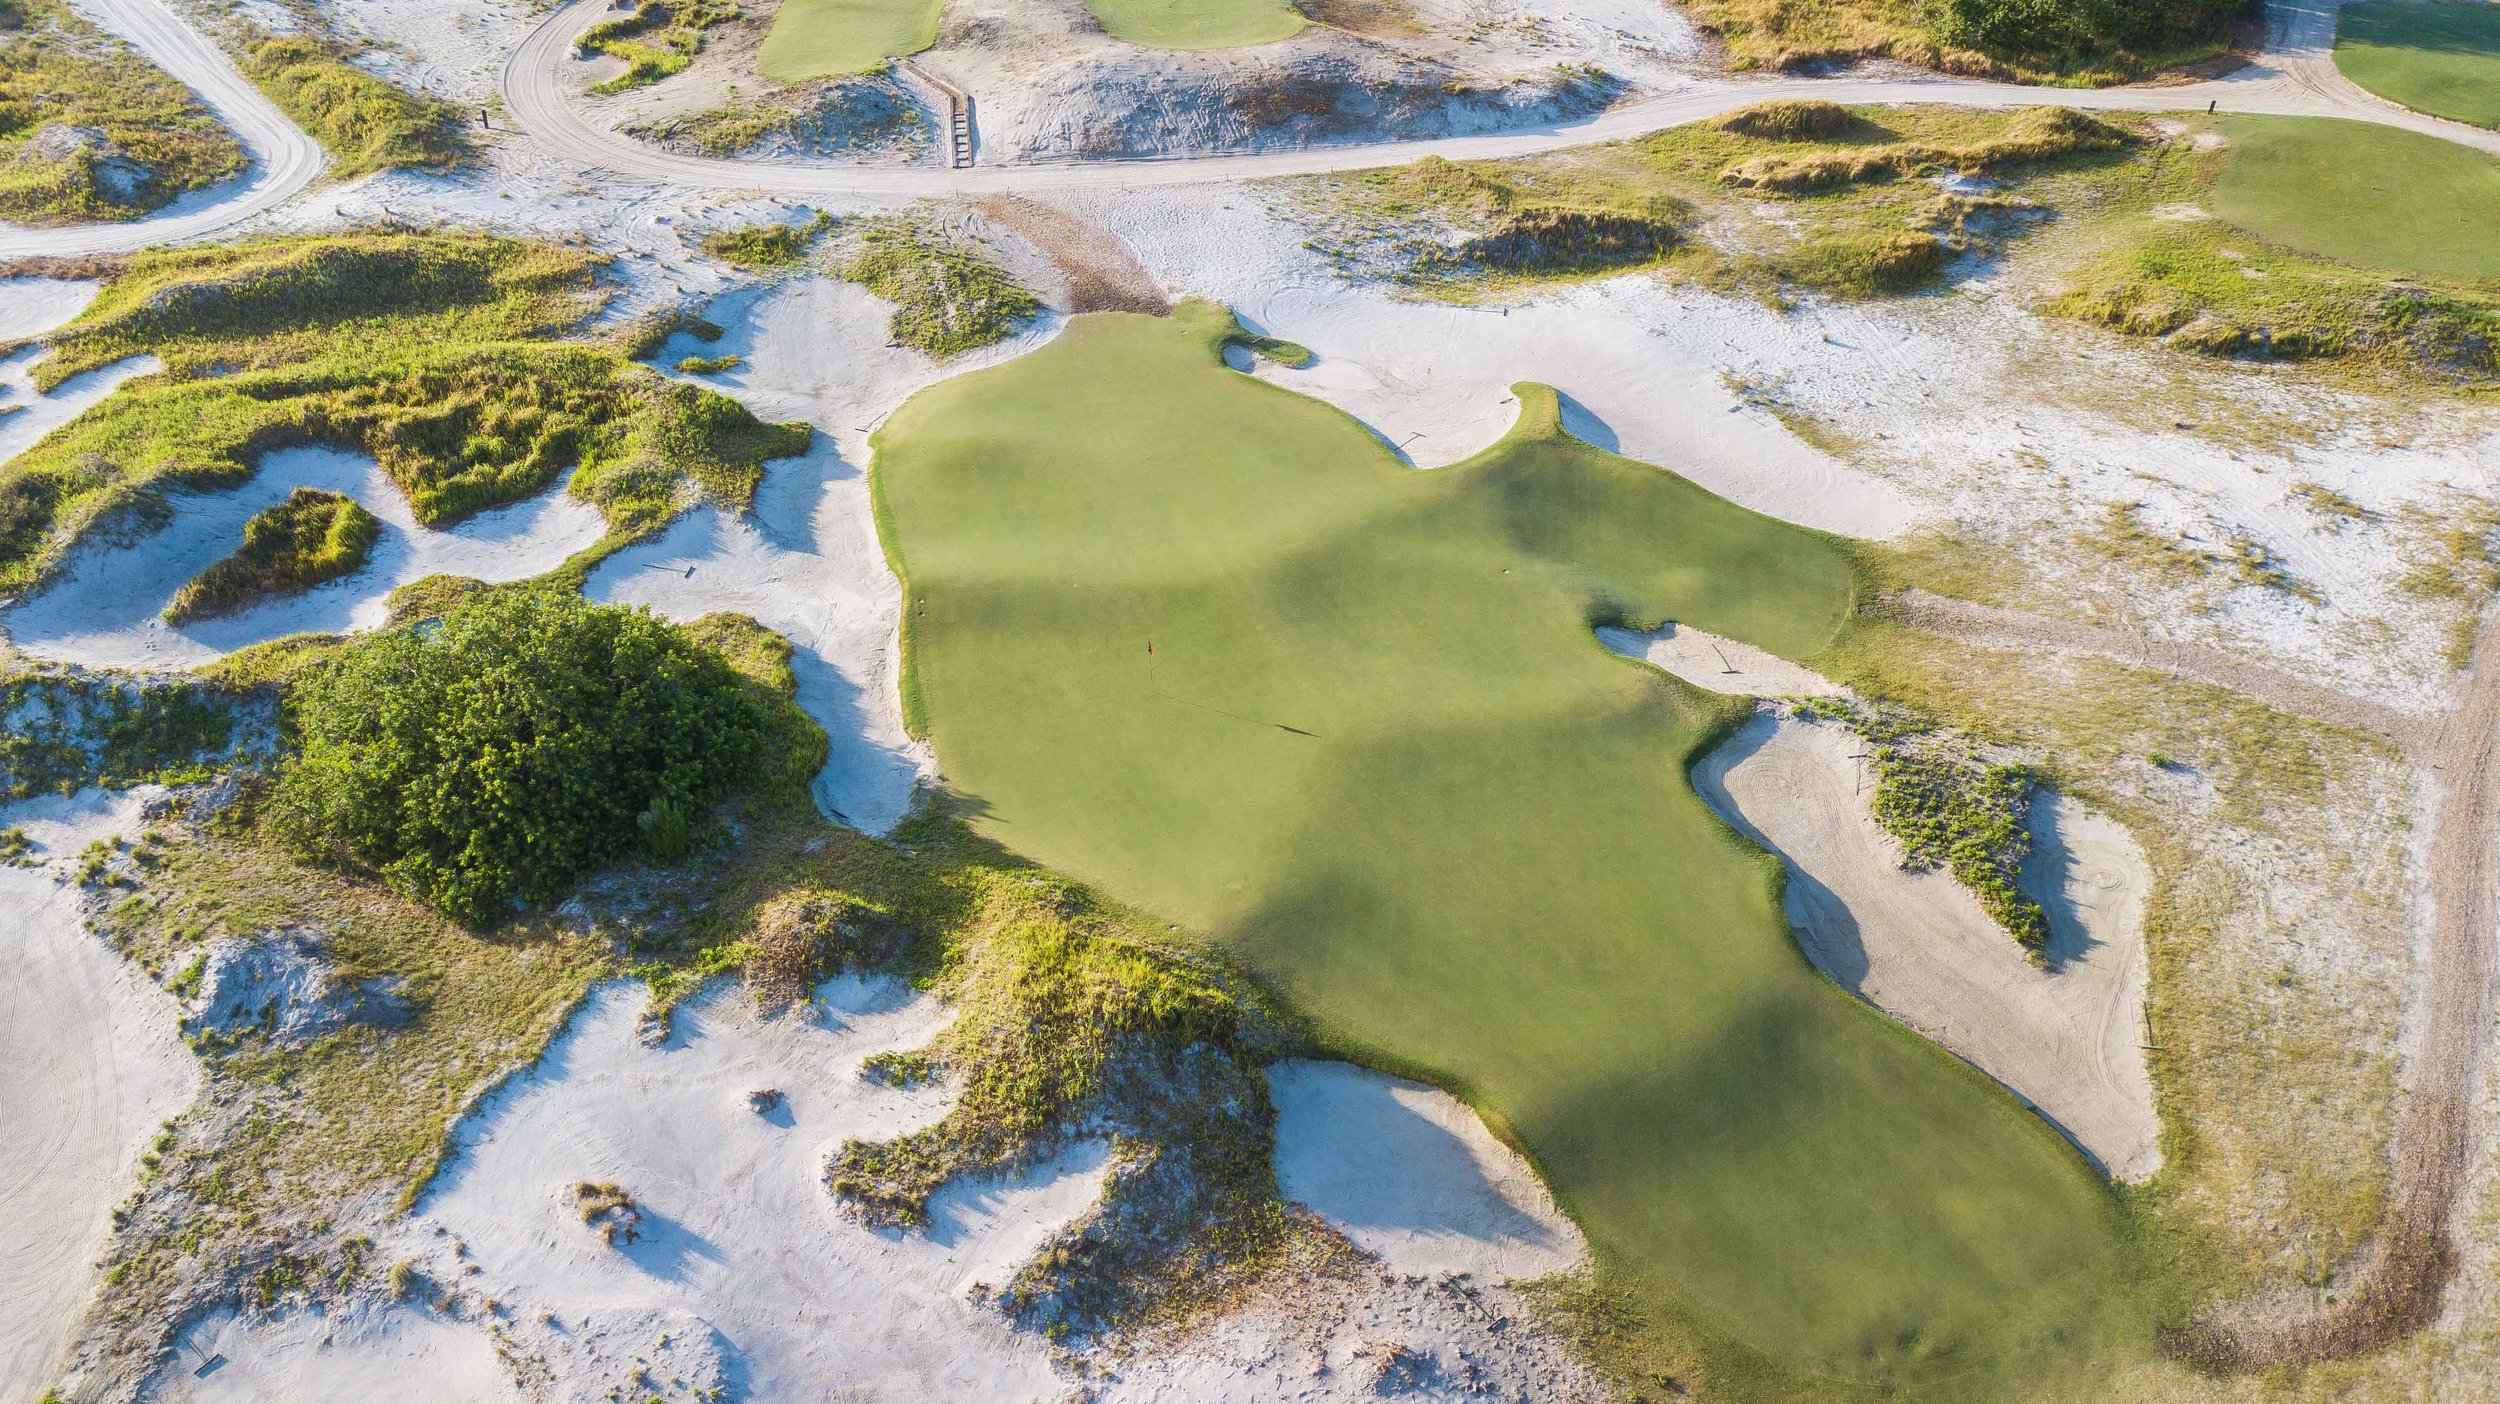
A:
(2439, 59)
(1198, 24)
(1205, 643)
(835, 38)
(2368, 195)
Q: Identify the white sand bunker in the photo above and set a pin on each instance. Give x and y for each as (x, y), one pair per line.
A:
(105, 608)
(737, 1231)
(1918, 945)
(371, 1357)
(1716, 664)
(90, 1064)
(1410, 1173)
(806, 562)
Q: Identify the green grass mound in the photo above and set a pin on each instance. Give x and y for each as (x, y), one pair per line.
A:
(432, 352)
(2439, 59)
(311, 537)
(91, 131)
(2363, 194)
(524, 739)
(1198, 24)
(367, 123)
(950, 295)
(1206, 644)
(838, 38)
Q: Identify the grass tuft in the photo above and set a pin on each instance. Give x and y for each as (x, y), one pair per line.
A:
(311, 537)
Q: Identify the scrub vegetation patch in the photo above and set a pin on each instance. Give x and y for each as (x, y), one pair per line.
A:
(951, 294)
(1774, 200)
(435, 353)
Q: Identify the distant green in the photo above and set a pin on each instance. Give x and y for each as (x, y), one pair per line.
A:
(835, 38)
(1208, 645)
(1198, 24)
(2378, 197)
(2440, 59)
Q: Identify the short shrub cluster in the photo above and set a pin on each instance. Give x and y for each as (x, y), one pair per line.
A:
(656, 41)
(366, 122)
(949, 296)
(91, 131)
(503, 751)
(311, 537)
(1951, 811)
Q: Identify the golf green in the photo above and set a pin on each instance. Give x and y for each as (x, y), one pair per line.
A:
(2439, 59)
(1207, 644)
(1198, 24)
(836, 38)
(2372, 196)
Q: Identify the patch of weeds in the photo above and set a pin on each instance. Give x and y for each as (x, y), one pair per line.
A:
(897, 1069)
(609, 1211)
(311, 537)
(91, 131)
(2122, 537)
(365, 122)
(1950, 810)
(768, 246)
(2251, 562)
(709, 365)
(656, 41)
(2333, 509)
(2451, 553)
(950, 296)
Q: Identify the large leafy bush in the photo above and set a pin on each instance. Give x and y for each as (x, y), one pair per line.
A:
(510, 747)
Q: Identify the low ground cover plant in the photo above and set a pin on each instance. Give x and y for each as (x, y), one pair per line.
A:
(950, 295)
(768, 246)
(91, 131)
(510, 747)
(311, 537)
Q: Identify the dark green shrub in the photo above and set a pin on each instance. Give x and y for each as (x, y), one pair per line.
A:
(514, 745)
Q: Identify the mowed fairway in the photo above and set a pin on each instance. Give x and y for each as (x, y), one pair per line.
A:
(1198, 24)
(1377, 753)
(832, 38)
(2439, 59)
(2371, 196)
